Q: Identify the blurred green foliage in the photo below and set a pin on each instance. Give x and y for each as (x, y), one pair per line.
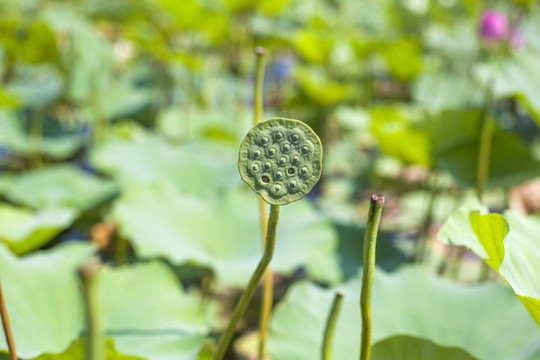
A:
(130, 113)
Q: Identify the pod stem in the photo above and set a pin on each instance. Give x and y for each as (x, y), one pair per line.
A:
(268, 286)
(7, 327)
(370, 242)
(95, 341)
(247, 295)
(331, 325)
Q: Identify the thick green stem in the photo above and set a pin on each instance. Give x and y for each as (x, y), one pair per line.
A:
(243, 303)
(331, 325)
(7, 327)
(370, 242)
(486, 135)
(268, 287)
(95, 341)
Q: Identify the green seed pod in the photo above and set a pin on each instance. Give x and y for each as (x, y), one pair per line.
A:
(281, 160)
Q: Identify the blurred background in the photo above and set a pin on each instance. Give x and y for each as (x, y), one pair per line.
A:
(120, 123)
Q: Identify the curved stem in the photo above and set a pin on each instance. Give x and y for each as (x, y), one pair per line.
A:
(7, 327)
(370, 242)
(331, 325)
(243, 303)
(268, 287)
(95, 342)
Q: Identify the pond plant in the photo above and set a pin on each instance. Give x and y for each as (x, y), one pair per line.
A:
(281, 160)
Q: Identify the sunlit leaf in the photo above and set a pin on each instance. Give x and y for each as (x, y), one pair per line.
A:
(63, 186)
(42, 290)
(147, 312)
(398, 136)
(196, 168)
(224, 233)
(23, 230)
(507, 243)
(76, 351)
(433, 314)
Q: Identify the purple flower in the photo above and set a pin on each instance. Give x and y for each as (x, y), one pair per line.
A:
(494, 26)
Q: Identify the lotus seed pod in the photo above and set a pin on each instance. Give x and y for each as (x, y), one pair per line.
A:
(281, 160)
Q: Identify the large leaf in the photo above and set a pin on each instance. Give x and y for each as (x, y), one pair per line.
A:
(77, 352)
(63, 186)
(457, 229)
(513, 250)
(407, 347)
(42, 298)
(399, 136)
(147, 312)
(17, 141)
(224, 233)
(23, 230)
(455, 320)
(511, 161)
(507, 243)
(197, 168)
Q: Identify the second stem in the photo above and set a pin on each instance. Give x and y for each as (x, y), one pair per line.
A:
(370, 242)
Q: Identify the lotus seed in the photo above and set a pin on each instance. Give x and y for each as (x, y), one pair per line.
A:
(267, 165)
(265, 179)
(255, 167)
(290, 171)
(305, 149)
(292, 184)
(286, 147)
(296, 158)
(257, 153)
(304, 170)
(277, 187)
(272, 151)
(279, 174)
(265, 140)
(295, 137)
(282, 160)
(279, 135)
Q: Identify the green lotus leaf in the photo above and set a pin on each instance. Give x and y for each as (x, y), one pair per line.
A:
(76, 351)
(63, 186)
(223, 233)
(15, 138)
(506, 242)
(148, 314)
(42, 290)
(281, 160)
(408, 347)
(457, 229)
(483, 321)
(23, 230)
(513, 250)
(195, 168)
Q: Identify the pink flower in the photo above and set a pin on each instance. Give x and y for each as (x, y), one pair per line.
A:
(494, 26)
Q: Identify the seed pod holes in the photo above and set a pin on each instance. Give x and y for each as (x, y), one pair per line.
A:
(288, 160)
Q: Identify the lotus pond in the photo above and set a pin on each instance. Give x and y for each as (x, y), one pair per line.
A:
(199, 179)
